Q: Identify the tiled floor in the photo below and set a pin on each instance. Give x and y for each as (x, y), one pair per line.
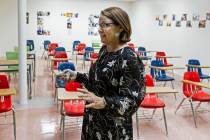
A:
(40, 120)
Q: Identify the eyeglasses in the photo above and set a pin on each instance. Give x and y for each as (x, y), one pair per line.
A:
(105, 25)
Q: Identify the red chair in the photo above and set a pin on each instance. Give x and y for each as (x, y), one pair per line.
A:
(165, 62)
(94, 57)
(59, 54)
(51, 48)
(193, 93)
(151, 101)
(80, 50)
(72, 108)
(6, 101)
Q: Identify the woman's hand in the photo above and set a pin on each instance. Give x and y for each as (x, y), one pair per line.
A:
(93, 100)
(68, 75)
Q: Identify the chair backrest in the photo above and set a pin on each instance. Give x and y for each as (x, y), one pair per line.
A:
(52, 46)
(75, 43)
(80, 47)
(194, 62)
(5, 101)
(66, 65)
(96, 46)
(149, 80)
(155, 72)
(72, 86)
(188, 89)
(60, 49)
(59, 55)
(30, 44)
(46, 44)
(142, 51)
(94, 55)
(12, 55)
(163, 59)
(88, 52)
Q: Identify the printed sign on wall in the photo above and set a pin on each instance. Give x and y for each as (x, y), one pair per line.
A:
(40, 23)
(93, 25)
(69, 16)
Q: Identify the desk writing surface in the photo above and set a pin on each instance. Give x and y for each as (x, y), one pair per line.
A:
(197, 66)
(199, 84)
(160, 90)
(60, 59)
(68, 95)
(159, 56)
(5, 92)
(8, 62)
(166, 68)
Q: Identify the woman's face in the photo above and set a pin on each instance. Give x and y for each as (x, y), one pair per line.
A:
(109, 32)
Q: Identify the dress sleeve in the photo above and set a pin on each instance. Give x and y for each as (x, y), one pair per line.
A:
(131, 88)
(82, 78)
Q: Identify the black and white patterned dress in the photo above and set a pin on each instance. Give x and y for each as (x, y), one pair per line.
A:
(119, 78)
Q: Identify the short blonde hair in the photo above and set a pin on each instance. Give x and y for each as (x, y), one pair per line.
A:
(121, 18)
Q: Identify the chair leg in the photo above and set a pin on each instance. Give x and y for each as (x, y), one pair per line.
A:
(179, 105)
(14, 123)
(193, 112)
(153, 113)
(137, 124)
(63, 124)
(164, 84)
(43, 54)
(55, 93)
(165, 122)
(172, 84)
(198, 106)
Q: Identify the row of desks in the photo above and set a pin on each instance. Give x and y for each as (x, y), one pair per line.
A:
(30, 66)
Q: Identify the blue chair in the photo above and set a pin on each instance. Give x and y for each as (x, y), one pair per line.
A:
(30, 45)
(142, 52)
(197, 63)
(160, 75)
(75, 43)
(60, 83)
(46, 46)
(87, 54)
(60, 49)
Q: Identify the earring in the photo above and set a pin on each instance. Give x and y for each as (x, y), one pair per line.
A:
(117, 34)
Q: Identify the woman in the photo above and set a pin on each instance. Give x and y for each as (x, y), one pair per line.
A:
(115, 85)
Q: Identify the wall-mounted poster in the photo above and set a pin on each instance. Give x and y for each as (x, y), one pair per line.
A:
(69, 16)
(27, 17)
(173, 17)
(195, 17)
(93, 25)
(178, 23)
(160, 23)
(184, 17)
(188, 23)
(157, 18)
(207, 16)
(168, 23)
(165, 17)
(202, 24)
(40, 23)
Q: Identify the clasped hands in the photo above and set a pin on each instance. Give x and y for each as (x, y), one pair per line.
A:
(94, 101)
